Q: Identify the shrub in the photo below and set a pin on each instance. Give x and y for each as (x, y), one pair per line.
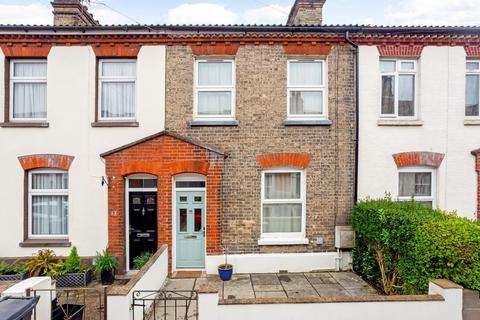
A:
(105, 262)
(73, 263)
(402, 245)
(11, 269)
(141, 260)
(44, 264)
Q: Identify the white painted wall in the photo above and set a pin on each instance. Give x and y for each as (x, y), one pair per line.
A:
(71, 108)
(449, 309)
(441, 99)
(119, 306)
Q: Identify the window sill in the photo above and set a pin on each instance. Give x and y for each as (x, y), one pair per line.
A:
(307, 122)
(113, 124)
(282, 241)
(57, 243)
(24, 125)
(399, 123)
(213, 123)
(471, 122)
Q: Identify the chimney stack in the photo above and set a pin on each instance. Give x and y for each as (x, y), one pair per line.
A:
(306, 12)
(73, 13)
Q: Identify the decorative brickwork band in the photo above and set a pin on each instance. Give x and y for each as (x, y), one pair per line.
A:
(105, 51)
(220, 49)
(191, 166)
(36, 161)
(472, 51)
(410, 51)
(407, 159)
(307, 49)
(139, 166)
(27, 52)
(297, 160)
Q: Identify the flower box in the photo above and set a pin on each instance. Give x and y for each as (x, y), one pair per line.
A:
(72, 280)
(14, 277)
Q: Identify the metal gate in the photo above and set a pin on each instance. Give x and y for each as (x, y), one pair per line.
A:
(75, 303)
(165, 305)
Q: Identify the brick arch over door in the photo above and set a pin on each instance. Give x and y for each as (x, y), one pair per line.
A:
(418, 158)
(163, 155)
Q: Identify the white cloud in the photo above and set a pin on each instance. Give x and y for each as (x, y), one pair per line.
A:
(274, 14)
(25, 14)
(201, 13)
(434, 12)
(107, 16)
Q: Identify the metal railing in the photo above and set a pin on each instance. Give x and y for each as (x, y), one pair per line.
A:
(165, 305)
(75, 303)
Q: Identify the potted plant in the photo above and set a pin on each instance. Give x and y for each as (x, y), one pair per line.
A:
(14, 271)
(105, 265)
(141, 260)
(72, 272)
(225, 270)
(44, 264)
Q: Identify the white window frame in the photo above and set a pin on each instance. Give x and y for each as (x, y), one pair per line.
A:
(284, 238)
(198, 88)
(46, 192)
(473, 73)
(102, 79)
(396, 74)
(419, 169)
(14, 79)
(322, 88)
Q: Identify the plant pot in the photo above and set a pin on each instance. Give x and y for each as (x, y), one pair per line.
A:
(14, 277)
(107, 276)
(225, 272)
(72, 280)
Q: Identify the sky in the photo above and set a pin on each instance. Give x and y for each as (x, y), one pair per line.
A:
(373, 12)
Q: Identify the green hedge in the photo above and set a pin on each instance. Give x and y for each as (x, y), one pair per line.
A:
(402, 245)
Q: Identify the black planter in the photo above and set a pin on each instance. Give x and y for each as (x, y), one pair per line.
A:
(72, 280)
(107, 276)
(14, 277)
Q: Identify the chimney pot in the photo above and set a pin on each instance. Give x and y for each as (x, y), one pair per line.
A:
(306, 12)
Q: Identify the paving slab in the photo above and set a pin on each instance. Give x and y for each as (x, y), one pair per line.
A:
(240, 287)
(366, 291)
(306, 292)
(348, 280)
(180, 284)
(294, 281)
(319, 278)
(325, 290)
(265, 279)
(270, 294)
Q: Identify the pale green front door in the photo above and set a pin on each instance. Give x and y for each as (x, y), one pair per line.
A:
(190, 229)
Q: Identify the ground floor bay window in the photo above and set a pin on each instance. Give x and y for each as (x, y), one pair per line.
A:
(417, 183)
(48, 204)
(283, 207)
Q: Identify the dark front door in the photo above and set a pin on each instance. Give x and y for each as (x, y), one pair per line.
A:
(143, 224)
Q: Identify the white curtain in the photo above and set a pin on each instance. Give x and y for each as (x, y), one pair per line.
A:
(118, 89)
(472, 95)
(306, 73)
(282, 185)
(118, 100)
(282, 218)
(214, 102)
(29, 98)
(49, 211)
(388, 94)
(406, 92)
(415, 184)
(306, 102)
(214, 73)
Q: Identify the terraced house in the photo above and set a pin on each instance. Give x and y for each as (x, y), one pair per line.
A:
(227, 139)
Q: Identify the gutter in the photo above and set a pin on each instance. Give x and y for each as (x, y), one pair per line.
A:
(357, 112)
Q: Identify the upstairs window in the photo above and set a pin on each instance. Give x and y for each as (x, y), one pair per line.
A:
(283, 204)
(306, 89)
(117, 90)
(215, 89)
(48, 204)
(28, 90)
(398, 88)
(472, 92)
(417, 183)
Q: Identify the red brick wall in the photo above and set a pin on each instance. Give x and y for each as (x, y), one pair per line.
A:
(163, 156)
(35, 161)
(406, 159)
(410, 51)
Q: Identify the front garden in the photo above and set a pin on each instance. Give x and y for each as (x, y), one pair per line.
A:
(400, 246)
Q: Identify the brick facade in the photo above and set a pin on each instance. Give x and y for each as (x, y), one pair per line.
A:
(164, 156)
(399, 51)
(35, 161)
(261, 107)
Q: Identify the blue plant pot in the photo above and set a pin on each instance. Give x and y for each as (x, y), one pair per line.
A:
(225, 273)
